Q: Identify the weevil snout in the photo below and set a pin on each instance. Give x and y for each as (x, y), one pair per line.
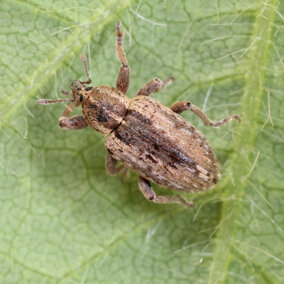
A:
(78, 89)
(77, 86)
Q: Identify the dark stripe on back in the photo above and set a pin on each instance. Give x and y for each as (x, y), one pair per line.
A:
(139, 133)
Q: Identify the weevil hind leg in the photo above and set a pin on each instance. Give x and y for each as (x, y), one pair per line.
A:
(153, 86)
(149, 193)
(123, 78)
(179, 107)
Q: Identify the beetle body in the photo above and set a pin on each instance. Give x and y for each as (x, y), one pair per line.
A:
(144, 135)
(162, 147)
(151, 139)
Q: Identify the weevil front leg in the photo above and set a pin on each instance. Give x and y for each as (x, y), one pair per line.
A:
(179, 107)
(123, 78)
(74, 122)
(150, 194)
(153, 86)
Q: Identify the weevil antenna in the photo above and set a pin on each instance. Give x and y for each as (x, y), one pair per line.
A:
(84, 60)
(46, 101)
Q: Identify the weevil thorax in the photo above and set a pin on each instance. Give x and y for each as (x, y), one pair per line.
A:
(104, 108)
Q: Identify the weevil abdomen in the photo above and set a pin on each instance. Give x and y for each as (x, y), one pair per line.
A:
(162, 147)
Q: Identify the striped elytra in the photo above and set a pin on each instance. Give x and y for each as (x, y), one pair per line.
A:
(162, 147)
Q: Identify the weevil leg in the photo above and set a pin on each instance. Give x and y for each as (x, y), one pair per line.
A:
(112, 169)
(179, 107)
(74, 122)
(66, 93)
(153, 86)
(150, 194)
(111, 164)
(84, 61)
(123, 78)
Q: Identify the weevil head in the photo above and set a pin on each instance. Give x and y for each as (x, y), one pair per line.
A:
(78, 90)
(104, 108)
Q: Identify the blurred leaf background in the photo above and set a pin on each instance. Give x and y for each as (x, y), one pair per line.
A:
(63, 220)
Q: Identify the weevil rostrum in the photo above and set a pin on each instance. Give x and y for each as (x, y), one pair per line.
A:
(144, 135)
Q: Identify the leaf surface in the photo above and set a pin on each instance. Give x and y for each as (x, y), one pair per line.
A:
(63, 220)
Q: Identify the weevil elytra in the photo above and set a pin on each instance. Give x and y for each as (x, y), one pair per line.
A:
(144, 135)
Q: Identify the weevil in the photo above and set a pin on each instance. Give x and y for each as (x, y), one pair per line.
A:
(144, 135)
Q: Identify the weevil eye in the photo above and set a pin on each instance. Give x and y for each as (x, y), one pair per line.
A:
(81, 98)
(79, 89)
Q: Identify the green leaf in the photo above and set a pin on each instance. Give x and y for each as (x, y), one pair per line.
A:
(63, 220)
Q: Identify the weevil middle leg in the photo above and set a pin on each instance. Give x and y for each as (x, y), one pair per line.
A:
(112, 168)
(123, 78)
(179, 107)
(149, 193)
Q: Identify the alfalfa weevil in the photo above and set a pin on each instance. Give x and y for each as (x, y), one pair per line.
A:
(144, 135)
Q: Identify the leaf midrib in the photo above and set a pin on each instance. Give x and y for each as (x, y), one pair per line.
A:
(239, 164)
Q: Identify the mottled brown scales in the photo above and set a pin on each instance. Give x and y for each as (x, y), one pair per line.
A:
(104, 108)
(144, 135)
(167, 155)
